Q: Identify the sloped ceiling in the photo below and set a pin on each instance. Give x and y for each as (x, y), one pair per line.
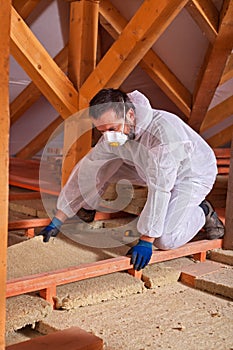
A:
(182, 47)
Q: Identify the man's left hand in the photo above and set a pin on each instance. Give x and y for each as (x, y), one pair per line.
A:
(140, 254)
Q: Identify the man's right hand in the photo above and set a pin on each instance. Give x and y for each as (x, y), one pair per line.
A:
(51, 230)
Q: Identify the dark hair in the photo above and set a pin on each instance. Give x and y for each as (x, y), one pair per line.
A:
(109, 99)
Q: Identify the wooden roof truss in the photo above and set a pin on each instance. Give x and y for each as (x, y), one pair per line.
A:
(132, 46)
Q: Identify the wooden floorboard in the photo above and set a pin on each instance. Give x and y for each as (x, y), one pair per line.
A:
(73, 338)
(49, 280)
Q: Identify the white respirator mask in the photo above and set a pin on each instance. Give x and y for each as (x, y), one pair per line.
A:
(116, 138)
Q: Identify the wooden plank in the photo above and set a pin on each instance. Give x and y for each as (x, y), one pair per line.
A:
(185, 250)
(73, 338)
(151, 63)
(41, 68)
(38, 142)
(167, 81)
(228, 71)
(5, 14)
(223, 170)
(83, 30)
(31, 93)
(28, 223)
(205, 14)
(217, 114)
(26, 195)
(82, 61)
(223, 161)
(222, 152)
(221, 138)
(213, 66)
(24, 101)
(103, 267)
(18, 182)
(191, 272)
(131, 45)
(25, 7)
(228, 237)
(30, 178)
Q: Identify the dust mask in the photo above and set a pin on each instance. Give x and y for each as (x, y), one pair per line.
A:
(116, 138)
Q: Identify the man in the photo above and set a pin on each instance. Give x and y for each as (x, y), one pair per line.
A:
(154, 148)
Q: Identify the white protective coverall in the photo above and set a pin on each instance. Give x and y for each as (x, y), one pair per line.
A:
(167, 156)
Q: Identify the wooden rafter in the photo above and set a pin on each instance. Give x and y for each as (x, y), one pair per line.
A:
(206, 15)
(228, 237)
(31, 93)
(25, 7)
(217, 114)
(39, 141)
(213, 67)
(41, 68)
(114, 23)
(4, 155)
(228, 71)
(82, 60)
(140, 35)
(221, 138)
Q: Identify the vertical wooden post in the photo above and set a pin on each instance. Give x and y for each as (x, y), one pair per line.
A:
(200, 256)
(5, 12)
(228, 237)
(81, 62)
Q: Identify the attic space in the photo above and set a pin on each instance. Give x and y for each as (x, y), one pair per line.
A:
(116, 174)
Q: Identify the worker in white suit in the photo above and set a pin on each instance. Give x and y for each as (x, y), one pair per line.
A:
(150, 147)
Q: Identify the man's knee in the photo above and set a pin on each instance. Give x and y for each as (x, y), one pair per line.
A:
(164, 244)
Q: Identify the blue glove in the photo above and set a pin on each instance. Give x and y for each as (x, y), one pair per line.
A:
(51, 230)
(140, 254)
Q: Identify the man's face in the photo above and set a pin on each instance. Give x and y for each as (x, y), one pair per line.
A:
(110, 122)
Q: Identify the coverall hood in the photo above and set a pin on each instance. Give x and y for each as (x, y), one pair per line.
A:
(143, 114)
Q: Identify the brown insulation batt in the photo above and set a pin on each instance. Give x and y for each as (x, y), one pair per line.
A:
(25, 310)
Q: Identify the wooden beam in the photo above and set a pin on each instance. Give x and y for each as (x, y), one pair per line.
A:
(151, 63)
(39, 141)
(191, 272)
(228, 71)
(25, 7)
(31, 93)
(83, 29)
(217, 114)
(213, 67)
(41, 68)
(30, 178)
(28, 223)
(84, 16)
(221, 138)
(14, 196)
(5, 14)
(205, 14)
(228, 237)
(84, 271)
(73, 338)
(133, 43)
(116, 21)
(167, 81)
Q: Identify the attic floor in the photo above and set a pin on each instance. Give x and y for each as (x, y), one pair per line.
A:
(173, 316)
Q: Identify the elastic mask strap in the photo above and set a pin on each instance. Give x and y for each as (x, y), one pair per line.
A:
(123, 125)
